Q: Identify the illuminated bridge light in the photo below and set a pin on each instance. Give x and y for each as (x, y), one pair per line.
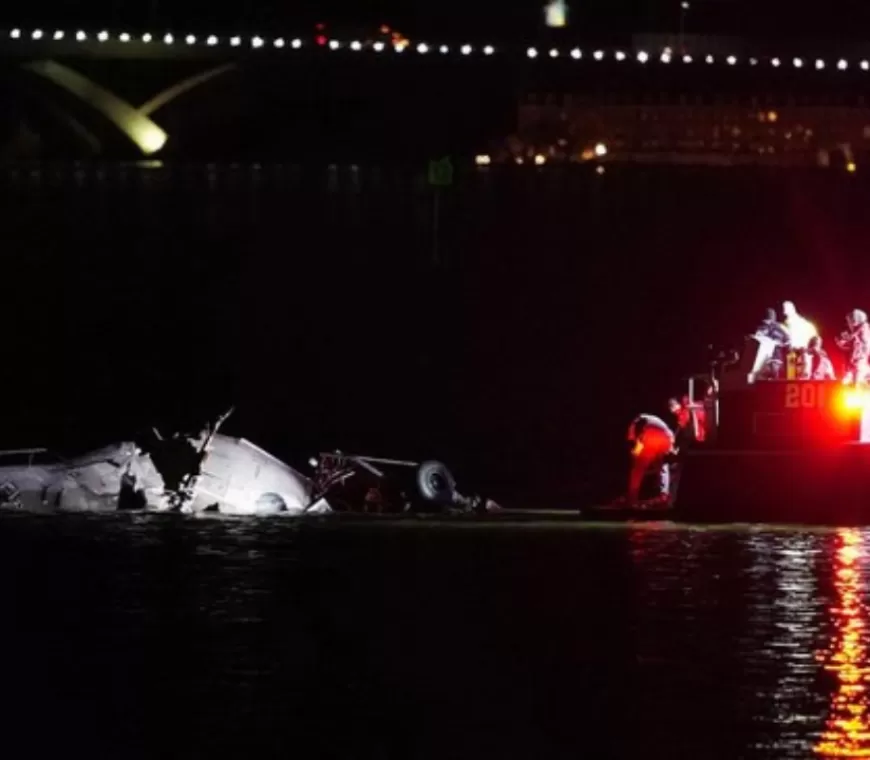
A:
(753, 61)
(865, 65)
(797, 63)
(235, 41)
(775, 62)
(58, 35)
(642, 56)
(554, 53)
(168, 39)
(15, 34)
(81, 36)
(296, 44)
(378, 46)
(465, 50)
(124, 37)
(211, 40)
(731, 60)
(709, 59)
(257, 42)
(422, 48)
(665, 58)
(146, 38)
(598, 55)
(334, 44)
(820, 64)
(103, 36)
(356, 45)
(531, 53)
(842, 65)
(190, 39)
(37, 34)
(576, 54)
(279, 43)
(619, 55)
(488, 50)
(687, 59)
(444, 49)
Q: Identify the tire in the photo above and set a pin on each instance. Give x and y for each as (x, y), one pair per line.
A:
(435, 484)
(270, 504)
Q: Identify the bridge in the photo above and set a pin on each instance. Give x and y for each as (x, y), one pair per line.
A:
(123, 90)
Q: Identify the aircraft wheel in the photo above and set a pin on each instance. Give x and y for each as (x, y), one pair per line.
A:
(435, 483)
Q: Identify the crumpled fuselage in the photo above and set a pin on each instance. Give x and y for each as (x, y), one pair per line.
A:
(232, 475)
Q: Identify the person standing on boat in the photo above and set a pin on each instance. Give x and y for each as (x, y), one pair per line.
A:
(800, 330)
(689, 420)
(817, 364)
(772, 329)
(652, 441)
(856, 343)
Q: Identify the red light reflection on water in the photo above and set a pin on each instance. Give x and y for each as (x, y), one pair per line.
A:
(846, 731)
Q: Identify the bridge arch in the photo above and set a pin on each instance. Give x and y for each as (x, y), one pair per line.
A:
(163, 98)
(138, 127)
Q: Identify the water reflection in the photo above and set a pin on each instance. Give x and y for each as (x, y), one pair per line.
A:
(846, 733)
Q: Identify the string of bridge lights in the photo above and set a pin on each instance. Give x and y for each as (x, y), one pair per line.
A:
(257, 42)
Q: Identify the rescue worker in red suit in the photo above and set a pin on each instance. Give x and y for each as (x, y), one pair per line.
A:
(652, 442)
(690, 421)
(856, 343)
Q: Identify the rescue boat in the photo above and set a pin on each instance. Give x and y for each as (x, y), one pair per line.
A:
(776, 451)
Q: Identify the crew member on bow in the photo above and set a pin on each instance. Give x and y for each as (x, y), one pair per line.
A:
(772, 329)
(800, 329)
(817, 364)
(652, 441)
(856, 343)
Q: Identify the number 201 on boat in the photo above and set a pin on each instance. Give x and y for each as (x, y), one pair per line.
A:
(806, 395)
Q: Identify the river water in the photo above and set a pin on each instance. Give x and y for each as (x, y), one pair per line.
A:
(134, 637)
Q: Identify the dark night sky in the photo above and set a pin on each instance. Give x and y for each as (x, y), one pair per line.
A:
(494, 19)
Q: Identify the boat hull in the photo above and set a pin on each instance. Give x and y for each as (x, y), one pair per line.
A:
(827, 486)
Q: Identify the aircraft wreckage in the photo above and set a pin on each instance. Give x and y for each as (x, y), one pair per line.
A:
(212, 472)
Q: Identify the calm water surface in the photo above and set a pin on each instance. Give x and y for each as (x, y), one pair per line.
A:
(130, 637)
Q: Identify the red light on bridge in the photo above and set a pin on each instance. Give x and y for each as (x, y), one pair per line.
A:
(320, 40)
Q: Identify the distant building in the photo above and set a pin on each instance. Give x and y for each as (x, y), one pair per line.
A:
(693, 130)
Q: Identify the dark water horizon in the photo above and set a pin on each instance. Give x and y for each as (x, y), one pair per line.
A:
(147, 636)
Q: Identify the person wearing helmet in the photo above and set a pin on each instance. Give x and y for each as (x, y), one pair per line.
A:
(855, 341)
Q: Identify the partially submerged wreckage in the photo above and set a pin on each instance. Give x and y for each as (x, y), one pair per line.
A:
(219, 473)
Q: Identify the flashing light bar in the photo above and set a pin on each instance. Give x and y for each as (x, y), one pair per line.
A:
(597, 55)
